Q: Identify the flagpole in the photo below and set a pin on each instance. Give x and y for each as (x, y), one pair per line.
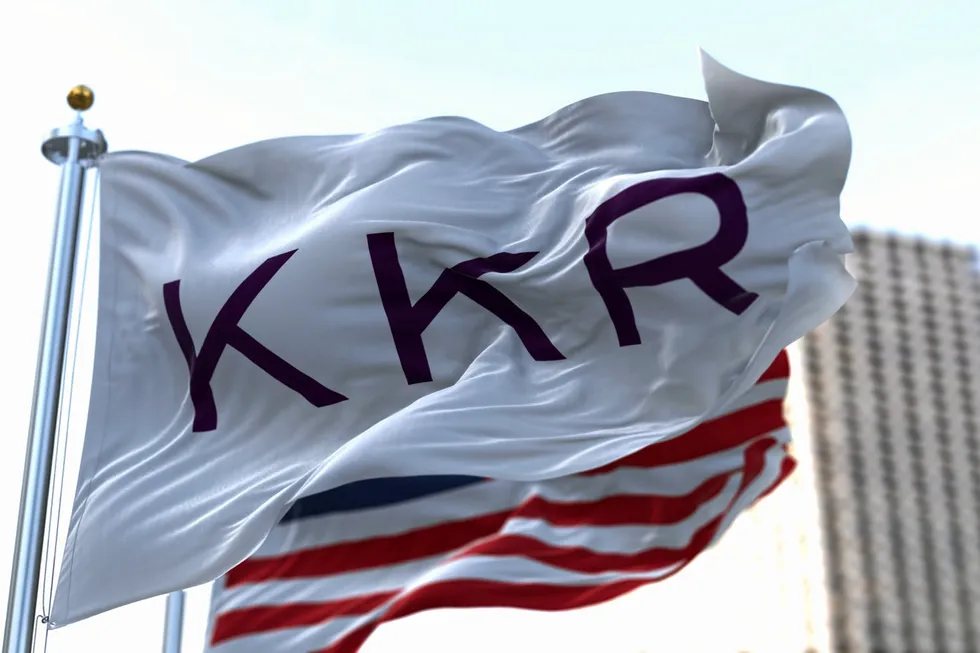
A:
(75, 148)
(173, 625)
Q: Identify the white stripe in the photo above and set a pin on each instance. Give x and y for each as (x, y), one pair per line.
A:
(332, 588)
(667, 480)
(757, 394)
(770, 472)
(471, 501)
(625, 540)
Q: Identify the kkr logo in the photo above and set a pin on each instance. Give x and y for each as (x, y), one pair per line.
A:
(408, 321)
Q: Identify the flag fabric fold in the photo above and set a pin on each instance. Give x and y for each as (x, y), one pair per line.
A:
(437, 298)
(343, 562)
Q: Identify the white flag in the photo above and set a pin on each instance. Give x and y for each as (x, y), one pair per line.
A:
(436, 298)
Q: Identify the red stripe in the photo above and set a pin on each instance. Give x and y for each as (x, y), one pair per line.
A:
(587, 561)
(482, 593)
(725, 432)
(787, 467)
(722, 433)
(624, 510)
(778, 370)
(267, 618)
(368, 553)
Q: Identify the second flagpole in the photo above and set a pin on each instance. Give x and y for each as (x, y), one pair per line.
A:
(173, 624)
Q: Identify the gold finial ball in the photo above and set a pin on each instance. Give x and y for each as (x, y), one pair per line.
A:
(81, 98)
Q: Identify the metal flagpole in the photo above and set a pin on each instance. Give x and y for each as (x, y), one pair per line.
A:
(173, 626)
(75, 148)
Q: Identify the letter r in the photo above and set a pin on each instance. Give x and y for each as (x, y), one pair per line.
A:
(701, 264)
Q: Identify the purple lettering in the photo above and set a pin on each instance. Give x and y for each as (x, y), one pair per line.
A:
(408, 321)
(225, 332)
(701, 264)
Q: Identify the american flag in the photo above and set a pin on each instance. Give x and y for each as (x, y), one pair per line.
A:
(345, 561)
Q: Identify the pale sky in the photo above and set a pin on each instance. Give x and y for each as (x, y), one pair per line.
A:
(193, 77)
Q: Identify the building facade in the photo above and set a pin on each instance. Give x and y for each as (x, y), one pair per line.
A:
(893, 394)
